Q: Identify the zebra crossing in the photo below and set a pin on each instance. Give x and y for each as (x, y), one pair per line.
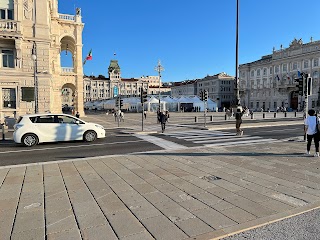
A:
(210, 138)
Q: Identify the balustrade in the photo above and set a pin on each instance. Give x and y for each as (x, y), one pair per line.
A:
(67, 17)
(8, 25)
(67, 70)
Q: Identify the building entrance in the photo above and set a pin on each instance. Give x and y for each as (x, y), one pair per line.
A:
(294, 100)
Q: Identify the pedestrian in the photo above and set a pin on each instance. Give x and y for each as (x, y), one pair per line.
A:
(77, 115)
(238, 117)
(167, 116)
(311, 129)
(115, 116)
(158, 116)
(163, 120)
(145, 114)
(121, 116)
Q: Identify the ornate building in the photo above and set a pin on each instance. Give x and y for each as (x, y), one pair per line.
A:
(32, 36)
(269, 83)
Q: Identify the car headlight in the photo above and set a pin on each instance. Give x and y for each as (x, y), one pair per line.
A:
(99, 126)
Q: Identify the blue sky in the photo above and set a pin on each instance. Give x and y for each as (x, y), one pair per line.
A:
(191, 38)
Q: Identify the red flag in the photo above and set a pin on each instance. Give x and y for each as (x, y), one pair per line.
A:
(89, 57)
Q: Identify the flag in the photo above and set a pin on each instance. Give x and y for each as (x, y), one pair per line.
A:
(89, 57)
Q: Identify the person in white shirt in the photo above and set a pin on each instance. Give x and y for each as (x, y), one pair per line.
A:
(310, 128)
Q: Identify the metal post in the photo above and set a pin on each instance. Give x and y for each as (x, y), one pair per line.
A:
(142, 113)
(35, 79)
(237, 63)
(304, 79)
(3, 133)
(205, 113)
(159, 69)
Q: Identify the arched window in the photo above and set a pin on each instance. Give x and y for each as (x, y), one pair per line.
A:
(252, 73)
(315, 74)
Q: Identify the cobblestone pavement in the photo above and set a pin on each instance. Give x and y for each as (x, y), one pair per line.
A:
(193, 193)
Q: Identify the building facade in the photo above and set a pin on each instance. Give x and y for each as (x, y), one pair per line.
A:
(269, 83)
(32, 36)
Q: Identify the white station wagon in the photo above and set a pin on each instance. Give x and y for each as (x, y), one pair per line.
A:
(39, 128)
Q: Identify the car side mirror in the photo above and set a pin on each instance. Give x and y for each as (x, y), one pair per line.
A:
(77, 122)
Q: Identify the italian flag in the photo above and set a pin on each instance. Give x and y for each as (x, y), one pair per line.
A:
(89, 57)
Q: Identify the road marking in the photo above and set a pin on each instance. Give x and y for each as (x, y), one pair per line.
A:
(76, 146)
(228, 139)
(168, 145)
(241, 142)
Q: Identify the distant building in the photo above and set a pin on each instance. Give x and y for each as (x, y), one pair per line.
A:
(220, 88)
(269, 83)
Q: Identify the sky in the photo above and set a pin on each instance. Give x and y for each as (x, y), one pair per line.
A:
(192, 38)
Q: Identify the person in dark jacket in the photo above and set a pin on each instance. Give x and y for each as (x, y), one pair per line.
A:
(163, 120)
(238, 117)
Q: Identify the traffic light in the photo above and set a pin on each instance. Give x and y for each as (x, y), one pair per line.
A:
(201, 95)
(300, 85)
(309, 82)
(205, 95)
(144, 96)
(121, 103)
(117, 102)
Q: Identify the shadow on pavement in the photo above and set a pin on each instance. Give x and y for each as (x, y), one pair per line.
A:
(225, 154)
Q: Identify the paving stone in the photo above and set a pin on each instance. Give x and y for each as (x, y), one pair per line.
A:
(208, 198)
(80, 195)
(223, 205)
(124, 223)
(220, 192)
(176, 214)
(163, 229)
(214, 218)
(60, 221)
(33, 187)
(194, 227)
(144, 210)
(253, 196)
(139, 236)
(238, 215)
(6, 204)
(156, 181)
(144, 188)
(111, 207)
(57, 204)
(72, 234)
(108, 197)
(130, 197)
(6, 223)
(34, 234)
(30, 203)
(28, 220)
(121, 187)
(179, 196)
(193, 204)
(156, 197)
(102, 232)
(91, 220)
(277, 205)
(84, 208)
(228, 185)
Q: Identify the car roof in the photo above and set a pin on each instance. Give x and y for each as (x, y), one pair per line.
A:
(45, 114)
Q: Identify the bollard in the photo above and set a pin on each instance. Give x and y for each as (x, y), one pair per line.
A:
(285, 114)
(275, 115)
(252, 116)
(195, 119)
(263, 115)
(225, 117)
(211, 118)
(3, 133)
(295, 114)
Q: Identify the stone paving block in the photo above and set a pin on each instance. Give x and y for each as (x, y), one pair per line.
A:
(111, 207)
(193, 204)
(166, 204)
(81, 195)
(276, 205)
(253, 196)
(10, 203)
(238, 215)
(208, 198)
(179, 196)
(252, 207)
(144, 188)
(165, 188)
(121, 187)
(91, 220)
(191, 189)
(34, 234)
(102, 232)
(131, 178)
(33, 187)
(156, 181)
(220, 192)
(30, 203)
(6, 223)
(71, 234)
(28, 220)
(13, 180)
(156, 197)
(176, 214)
(201, 183)
(84, 208)
(228, 185)
(130, 197)
(156, 226)
(139, 236)
(60, 221)
(3, 174)
(194, 227)
(57, 204)
(108, 197)
(143, 173)
(124, 223)
(144, 210)
(214, 218)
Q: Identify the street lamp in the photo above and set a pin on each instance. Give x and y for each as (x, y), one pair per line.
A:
(159, 69)
(237, 64)
(34, 58)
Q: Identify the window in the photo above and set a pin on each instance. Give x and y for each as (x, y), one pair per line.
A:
(264, 71)
(252, 73)
(9, 97)
(306, 64)
(6, 14)
(258, 72)
(284, 67)
(315, 62)
(27, 94)
(277, 69)
(7, 59)
(295, 66)
(270, 70)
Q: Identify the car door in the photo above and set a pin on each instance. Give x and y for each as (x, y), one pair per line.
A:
(46, 128)
(71, 128)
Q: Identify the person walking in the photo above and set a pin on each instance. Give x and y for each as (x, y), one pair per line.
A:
(167, 116)
(145, 114)
(238, 117)
(163, 120)
(311, 129)
(77, 115)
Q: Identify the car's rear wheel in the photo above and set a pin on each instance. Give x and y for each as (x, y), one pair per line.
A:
(90, 136)
(29, 140)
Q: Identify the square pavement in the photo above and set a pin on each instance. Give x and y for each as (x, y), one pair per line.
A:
(194, 193)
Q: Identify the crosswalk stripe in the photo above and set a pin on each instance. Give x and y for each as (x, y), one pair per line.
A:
(242, 142)
(216, 137)
(229, 139)
(160, 142)
(212, 135)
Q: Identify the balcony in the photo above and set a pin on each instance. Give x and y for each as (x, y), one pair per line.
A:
(70, 18)
(9, 26)
(67, 71)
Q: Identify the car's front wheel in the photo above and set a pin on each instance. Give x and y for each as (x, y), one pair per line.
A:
(29, 140)
(90, 136)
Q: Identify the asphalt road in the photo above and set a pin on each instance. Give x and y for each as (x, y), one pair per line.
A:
(120, 143)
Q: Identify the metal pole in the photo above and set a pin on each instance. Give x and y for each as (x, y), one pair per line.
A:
(142, 113)
(205, 114)
(304, 79)
(237, 64)
(159, 69)
(35, 79)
